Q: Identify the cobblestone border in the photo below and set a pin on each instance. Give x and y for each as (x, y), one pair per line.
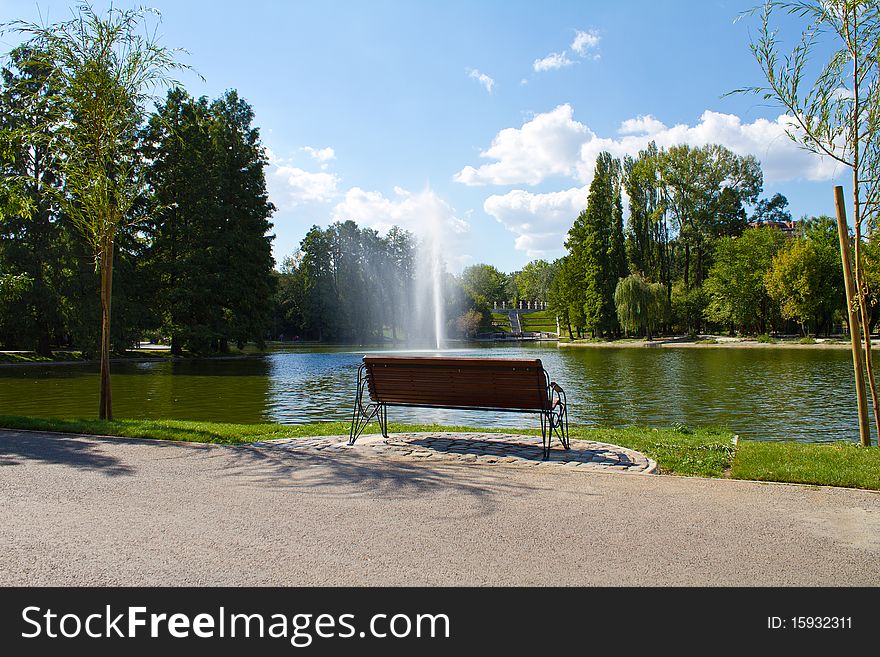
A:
(487, 448)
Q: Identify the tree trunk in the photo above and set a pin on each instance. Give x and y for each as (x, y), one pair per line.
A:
(852, 319)
(687, 267)
(105, 409)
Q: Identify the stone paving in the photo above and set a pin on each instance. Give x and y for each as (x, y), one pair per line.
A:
(484, 448)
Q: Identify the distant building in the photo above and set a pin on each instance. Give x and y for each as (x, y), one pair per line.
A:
(790, 228)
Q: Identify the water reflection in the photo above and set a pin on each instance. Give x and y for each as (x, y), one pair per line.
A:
(784, 394)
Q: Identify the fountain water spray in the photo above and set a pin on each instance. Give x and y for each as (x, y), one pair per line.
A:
(430, 270)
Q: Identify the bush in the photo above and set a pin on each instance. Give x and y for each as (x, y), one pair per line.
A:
(806, 340)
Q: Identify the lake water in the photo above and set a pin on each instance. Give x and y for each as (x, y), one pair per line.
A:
(768, 394)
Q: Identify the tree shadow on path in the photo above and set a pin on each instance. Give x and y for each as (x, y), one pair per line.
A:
(81, 452)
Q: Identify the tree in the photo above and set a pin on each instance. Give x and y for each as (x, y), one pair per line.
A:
(594, 245)
(641, 306)
(104, 69)
(29, 104)
(647, 236)
(485, 281)
(737, 293)
(560, 296)
(242, 243)
(772, 210)
(806, 281)
(834, 110)
(533, 282)
(469, 322)
(694, 184)
(209, 214)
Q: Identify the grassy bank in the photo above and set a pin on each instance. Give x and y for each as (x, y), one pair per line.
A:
(710, 342)
(835, 464)
(677, 451)
(60, 357)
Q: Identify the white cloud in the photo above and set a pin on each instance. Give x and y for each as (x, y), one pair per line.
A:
(552, 61)
(555, 144)
(482, 78)
(291, 186)
(641, 125)
(320, 154)
(423, 213)
(585, 42)
(549, 144)
(540, 221)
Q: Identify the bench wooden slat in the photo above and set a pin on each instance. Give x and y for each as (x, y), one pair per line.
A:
(503, 384)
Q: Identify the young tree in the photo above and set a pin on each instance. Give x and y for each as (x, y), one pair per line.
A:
(834, 109)
(104, 69)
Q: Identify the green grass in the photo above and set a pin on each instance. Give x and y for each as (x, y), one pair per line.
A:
(32, 357)
(706, 341)
(807, 340)
(677, 450)
(541, 320)
(765, 338)
(835, 464)
(501, 322)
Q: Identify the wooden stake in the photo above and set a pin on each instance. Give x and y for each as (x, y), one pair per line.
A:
(852, 318)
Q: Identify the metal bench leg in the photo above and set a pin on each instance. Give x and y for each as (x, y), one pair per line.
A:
(361, 416)
(382, 415)
(546, 434)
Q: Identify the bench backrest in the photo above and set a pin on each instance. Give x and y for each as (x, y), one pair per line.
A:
(481, 383)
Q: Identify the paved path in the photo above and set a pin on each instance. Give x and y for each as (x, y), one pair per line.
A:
(83, 510)
(483, 448)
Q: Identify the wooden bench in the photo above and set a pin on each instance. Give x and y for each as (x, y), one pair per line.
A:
(482, 384)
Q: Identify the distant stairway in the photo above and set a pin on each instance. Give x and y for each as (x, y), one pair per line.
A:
(515, 323)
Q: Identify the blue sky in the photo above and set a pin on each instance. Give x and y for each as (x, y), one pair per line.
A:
(480, 118)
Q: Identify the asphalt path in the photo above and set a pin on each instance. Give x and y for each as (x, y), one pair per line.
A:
(79, 510)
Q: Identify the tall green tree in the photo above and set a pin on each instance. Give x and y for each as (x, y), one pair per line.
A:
(242, 242)
(694, 180)
(29, 248)
(209, 222)
(647, 233)
(104, 69)
(594, 243)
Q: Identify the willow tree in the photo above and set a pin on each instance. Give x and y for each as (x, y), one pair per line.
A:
(834, 109)
(105, 69)
(641, 306)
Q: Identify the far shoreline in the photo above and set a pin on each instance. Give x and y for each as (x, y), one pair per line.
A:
(710, 342)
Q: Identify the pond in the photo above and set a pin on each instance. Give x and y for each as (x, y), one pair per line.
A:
(766, 394)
